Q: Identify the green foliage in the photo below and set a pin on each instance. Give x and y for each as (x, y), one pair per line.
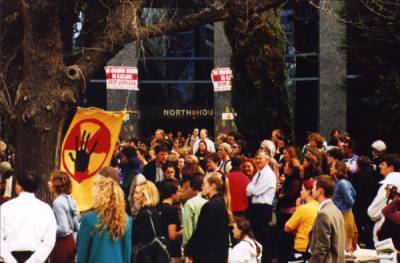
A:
(259, 92)
(373, 50)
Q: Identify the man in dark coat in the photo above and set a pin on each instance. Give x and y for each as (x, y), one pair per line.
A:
(153, 170)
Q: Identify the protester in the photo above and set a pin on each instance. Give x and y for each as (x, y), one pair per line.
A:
(189, 170)
(334, 154)
(366, 187)
(287, 197)
(106, 231)
(153, 170)
(204, 137)
(192, 138)
(224, 152)
(378, 149)
(248, 250)
(27, 225)
(210, 241)
(302, 221)
(192, 208)
(311, 168)
(169, 170)
(238, 182)
(170, 215)
(202, 153)
(334, 137)
(212, 161)
(261, 191)
(147, 225)
(389, 167)
(350, 158)
(67, 217)
(248, 167)
(344, 198)
(327, 236)
(130, 166)
(391, 212)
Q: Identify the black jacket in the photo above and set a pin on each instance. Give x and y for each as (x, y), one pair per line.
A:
(149, 171)
(210, 241)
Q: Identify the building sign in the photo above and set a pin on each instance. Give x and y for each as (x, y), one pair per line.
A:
(188, 113)
(176, 113)
(222, 79)
(119, 77)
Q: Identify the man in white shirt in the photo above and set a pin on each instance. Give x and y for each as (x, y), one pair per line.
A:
(261, 191)
(389, 167)
(28, 225)
(204, 137)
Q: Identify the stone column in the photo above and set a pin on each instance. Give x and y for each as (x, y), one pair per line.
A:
(332, 71)
(117, 99)
(222, 99)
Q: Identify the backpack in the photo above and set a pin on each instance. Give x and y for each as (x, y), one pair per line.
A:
(222, 170)
(153, 252)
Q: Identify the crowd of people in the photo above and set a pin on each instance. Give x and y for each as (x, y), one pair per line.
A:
(189, 199)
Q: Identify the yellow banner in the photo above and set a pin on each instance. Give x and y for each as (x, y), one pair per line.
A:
(89, 145)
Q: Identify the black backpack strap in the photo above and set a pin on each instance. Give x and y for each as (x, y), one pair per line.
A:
(151, 222)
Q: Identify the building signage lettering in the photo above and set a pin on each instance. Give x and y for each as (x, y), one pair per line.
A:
(185, 113)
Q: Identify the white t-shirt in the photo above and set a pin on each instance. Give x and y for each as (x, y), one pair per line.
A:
(245, 252)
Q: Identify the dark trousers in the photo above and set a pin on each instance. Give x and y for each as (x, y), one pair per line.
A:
(260, 216)
(21, 256)
(285, 240)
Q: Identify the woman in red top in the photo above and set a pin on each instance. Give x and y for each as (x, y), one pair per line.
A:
(238, 182)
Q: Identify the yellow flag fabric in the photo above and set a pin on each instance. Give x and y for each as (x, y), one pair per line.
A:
(89, 145)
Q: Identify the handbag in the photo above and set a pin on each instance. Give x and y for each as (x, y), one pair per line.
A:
(153, 252)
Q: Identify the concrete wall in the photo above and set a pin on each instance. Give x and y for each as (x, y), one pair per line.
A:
(332, 67)
(117, 99)
(222, 100)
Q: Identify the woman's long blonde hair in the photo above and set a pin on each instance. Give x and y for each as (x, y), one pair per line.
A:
(109, 204)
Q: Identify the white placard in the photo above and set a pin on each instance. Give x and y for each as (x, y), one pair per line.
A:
(222, 79)
(119, 77)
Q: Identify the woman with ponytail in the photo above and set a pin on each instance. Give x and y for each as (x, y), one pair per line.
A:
(105, 232)
(210, 241)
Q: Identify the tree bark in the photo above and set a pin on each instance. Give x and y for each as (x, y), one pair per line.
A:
(44, 94)
(44, 90)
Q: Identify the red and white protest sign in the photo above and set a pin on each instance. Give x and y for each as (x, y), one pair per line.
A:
(222, 79)
(119, 77)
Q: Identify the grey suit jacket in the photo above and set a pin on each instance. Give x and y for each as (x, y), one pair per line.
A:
(327, 236)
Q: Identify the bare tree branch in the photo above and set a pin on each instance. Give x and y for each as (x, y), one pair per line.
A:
(120, 31)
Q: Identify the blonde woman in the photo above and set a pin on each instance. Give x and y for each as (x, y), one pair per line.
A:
(210, 241)
(105, 232)
(147, 226)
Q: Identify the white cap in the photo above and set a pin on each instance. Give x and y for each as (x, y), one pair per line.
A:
(379, 145)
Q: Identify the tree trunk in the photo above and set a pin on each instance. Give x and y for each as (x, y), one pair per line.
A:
(44, 95)
(259, 92)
